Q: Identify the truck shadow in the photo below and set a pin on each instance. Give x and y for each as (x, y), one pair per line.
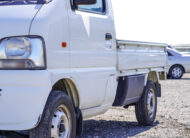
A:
(107, 129)
(102, 128)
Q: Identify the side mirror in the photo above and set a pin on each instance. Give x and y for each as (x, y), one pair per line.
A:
(84, 2)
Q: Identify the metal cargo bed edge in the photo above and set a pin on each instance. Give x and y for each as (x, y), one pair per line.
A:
(147, 57)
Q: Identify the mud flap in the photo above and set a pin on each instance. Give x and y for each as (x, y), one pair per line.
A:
(79, 119)
(129, 90)
(158, 88)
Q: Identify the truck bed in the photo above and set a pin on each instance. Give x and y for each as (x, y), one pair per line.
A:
(135, 57)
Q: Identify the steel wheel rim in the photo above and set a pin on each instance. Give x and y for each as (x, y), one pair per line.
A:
(177, 72)
(151, 103)
(61, 123)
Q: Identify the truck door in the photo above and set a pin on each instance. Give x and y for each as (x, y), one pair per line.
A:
(93, 50)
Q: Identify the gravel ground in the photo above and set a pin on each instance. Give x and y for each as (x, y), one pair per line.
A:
(173, 117)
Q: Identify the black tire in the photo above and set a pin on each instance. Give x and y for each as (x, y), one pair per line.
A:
(180, 71)
(141, 108)
(56, 99)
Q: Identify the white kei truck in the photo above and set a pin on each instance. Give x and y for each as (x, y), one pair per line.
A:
(60, 63)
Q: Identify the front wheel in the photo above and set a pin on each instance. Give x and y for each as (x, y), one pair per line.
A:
(146, 108)
(58, 120)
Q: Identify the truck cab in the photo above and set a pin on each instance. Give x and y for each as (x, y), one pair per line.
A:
(60, 63)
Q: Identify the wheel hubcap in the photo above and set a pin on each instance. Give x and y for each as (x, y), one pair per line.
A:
(151, 103)
(61, 124)
(177, 72)
(61, 128)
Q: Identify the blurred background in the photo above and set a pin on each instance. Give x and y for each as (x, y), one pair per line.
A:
(165, 21)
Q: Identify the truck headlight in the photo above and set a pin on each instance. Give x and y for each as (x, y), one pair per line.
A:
(24, 52)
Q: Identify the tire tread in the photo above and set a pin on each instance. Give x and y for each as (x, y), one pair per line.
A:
(141, 109)
(43, 129)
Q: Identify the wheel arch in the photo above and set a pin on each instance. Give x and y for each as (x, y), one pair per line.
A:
(69, 87)
(155, 76)
(178, 65)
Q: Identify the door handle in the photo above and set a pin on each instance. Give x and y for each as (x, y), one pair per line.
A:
(108, 36)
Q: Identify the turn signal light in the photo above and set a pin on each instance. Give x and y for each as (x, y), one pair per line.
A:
(64, 44)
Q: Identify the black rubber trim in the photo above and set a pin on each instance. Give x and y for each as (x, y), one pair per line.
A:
(158, 87)
(129, 90)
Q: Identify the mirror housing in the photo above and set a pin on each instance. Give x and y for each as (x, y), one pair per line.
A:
(84, 2)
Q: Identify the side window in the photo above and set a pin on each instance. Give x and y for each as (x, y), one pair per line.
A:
(169, 54)
(99, 7)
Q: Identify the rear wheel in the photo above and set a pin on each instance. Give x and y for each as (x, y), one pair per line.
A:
(58, 120)
(146, 108)
(176, 72)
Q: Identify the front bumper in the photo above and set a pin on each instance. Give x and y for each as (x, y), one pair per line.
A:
(22, 98)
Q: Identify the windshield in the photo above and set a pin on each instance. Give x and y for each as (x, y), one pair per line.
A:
(174, 52)
(22, 2)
